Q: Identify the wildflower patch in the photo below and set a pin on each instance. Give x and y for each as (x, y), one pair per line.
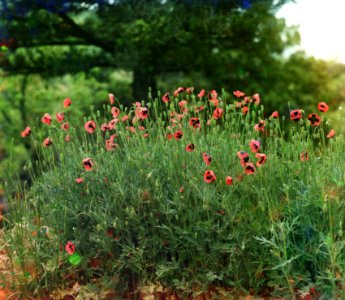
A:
(190, 190)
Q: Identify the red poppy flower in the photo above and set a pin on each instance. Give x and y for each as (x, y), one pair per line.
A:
(46, 119)
(112, 124)
(262, 159)
(238, 94)
(60, 117)
(169, 136)
(207, 158)
(104, 127)
(166, 98)
(79, 180)
(115, 111)
(141, 128)
(190, 147)
(145, 135)
(256, 99)
(254, 146)
(179, 90)
(260, 126)
(304, 156)
(331, 134)
(90, 126)
(111, 99)
(296, 115)
(70, 248)
(26, 132)
(314, 119)
(322, 106)
(243, 156)
(275, 115)
(181, 189)
(201, 94)
(65, 126)
(197, 109)
(178, 135)
(142, 113)
(67, 138)
(110, 145)
(217, 113)
(131, 129)
(194, 122)
(212, 95)
(67, 102)
(209, 176)
(182, 103)
(125, 118)
(245, 110)
(190, 90)
(228, 180)
(47, 142)
(88, 164)
(249, 168)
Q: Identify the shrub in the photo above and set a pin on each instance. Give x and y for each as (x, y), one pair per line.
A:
(179, 192)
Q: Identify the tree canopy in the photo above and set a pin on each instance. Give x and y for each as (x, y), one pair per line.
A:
(228, 41)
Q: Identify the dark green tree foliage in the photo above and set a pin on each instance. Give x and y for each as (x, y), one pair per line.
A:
(234, 43)
(211, 44)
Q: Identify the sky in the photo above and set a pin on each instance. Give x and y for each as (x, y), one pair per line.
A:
(321, 26)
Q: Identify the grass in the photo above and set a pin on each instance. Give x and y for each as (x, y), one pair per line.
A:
(148, 212)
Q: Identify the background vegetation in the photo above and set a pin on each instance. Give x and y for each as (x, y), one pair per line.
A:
(139, 206)
(85, 49)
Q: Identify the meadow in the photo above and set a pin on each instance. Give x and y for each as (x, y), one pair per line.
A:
(196, 194)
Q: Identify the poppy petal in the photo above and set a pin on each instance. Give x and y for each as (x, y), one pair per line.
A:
(67, 102)
(331, 134)
(209, 176)
(26, 132)
(228, 180)
(323, 107)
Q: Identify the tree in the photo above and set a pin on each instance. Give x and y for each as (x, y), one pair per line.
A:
(148, 37)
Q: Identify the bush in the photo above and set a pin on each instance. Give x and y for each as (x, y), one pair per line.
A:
(123, 201)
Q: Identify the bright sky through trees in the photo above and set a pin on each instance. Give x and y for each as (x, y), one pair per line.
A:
(321, 25)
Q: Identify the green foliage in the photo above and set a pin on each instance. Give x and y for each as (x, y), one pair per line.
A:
(25, 98)
(223, 40)
(147, 214)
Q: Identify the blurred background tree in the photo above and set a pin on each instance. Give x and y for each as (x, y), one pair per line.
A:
(228, 40)
(51, 49)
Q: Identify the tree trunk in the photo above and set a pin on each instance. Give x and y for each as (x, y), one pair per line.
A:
(143, 79)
